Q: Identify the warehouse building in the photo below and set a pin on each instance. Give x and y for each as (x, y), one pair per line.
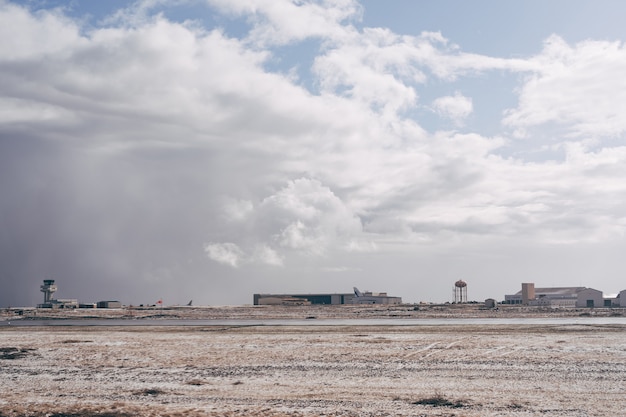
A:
(558, 297)
(331, 299)
(302, 299)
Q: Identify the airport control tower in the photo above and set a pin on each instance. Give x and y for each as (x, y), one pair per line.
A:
(48, 288)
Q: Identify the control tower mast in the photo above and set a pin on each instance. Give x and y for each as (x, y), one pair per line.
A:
(48, 288)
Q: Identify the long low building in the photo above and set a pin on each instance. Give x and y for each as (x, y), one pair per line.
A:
(331, 299)
(302, 299)
(60, 303)
(558, 297)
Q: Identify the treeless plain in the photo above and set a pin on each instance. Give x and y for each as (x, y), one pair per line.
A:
(339, 370)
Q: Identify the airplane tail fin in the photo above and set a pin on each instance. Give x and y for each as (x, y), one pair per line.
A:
(189, 303)
(357, 292)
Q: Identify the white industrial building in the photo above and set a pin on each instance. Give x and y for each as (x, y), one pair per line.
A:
(559, 297)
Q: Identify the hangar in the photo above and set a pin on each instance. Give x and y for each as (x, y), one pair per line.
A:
(302, 299)
(357, 297)
(557, 297)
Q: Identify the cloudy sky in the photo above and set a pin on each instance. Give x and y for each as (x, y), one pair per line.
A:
(212, 149)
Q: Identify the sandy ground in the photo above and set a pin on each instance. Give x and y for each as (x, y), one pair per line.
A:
(499, 370)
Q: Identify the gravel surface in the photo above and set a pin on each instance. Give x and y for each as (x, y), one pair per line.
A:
(499, 370)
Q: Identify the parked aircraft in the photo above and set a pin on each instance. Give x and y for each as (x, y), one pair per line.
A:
(360, 298)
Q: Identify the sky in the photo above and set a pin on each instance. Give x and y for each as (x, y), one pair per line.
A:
(208, 150)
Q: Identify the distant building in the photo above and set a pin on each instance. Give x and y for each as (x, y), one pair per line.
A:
(591, 298)
(281, 300)
(620, 301)
(60, 303)
(301, 299)
(557, 297)
(369, 297)
(48, 289)
(109, 304)
(491, 303)
(328, 299)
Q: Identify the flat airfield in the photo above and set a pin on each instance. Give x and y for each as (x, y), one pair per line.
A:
(574, 369)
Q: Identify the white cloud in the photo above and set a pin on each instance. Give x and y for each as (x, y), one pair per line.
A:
(579, 88)
(456, 108)
(286, 21)
(237, 210)
(225, 253)
(340, 269)
(377, 68)
(307, 216)
(18, 111)
(304, 217)
(27, 35)
(139, 12)
(298, 236)
(266, 255)
(148, 85)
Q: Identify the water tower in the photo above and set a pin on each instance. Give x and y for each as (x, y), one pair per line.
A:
(460, 291)
(48, 288)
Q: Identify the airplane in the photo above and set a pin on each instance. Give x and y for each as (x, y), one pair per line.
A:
(360, 298)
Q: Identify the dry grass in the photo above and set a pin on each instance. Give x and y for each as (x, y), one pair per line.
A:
(440, 400)
(8, 353)
(516, 370)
